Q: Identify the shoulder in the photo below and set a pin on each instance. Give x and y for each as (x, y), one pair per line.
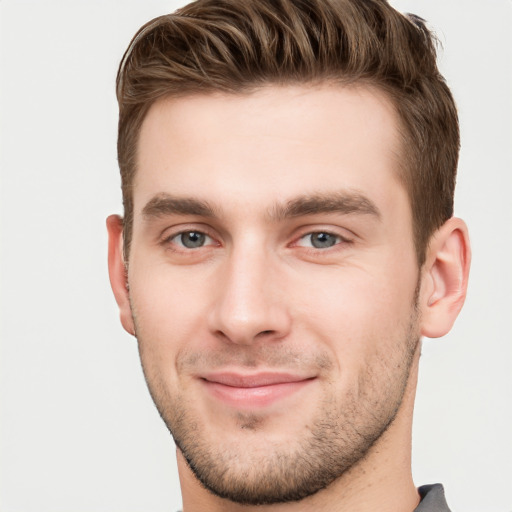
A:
(432, 499)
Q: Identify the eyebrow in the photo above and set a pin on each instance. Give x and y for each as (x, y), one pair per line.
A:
(345, 202)
(164, 204)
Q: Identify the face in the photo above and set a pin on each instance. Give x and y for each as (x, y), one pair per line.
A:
(272, 279)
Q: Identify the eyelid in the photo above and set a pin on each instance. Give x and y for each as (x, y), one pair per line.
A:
(345, 235)
(338, 238)
(207, 239)
(170, 233)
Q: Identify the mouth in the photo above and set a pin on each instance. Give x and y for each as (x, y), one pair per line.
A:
(249, 391)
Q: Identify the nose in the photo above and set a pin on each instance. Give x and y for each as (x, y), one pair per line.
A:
(250, 304)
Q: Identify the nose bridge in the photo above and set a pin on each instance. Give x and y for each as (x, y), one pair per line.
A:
(248, 305)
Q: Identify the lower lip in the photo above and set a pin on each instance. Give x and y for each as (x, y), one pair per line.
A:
(261, 396)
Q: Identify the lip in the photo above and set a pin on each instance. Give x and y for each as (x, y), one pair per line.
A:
(249, 391)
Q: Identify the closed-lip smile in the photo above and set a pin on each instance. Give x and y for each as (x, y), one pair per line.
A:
(245, 390)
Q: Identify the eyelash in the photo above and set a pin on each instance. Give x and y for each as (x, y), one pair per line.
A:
(180, 247)
(340, 243)
(168, 240)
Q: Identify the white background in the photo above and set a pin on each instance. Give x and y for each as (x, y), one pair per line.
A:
(78, 429)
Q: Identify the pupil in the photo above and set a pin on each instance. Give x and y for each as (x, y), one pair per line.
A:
(192, 239)
(322, 240)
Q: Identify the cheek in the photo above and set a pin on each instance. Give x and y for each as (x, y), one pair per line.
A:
(168, 308)
(357, 312)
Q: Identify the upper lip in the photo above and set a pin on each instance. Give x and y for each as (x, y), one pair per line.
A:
(255, 380)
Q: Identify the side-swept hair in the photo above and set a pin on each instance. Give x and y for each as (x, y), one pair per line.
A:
(238, 46)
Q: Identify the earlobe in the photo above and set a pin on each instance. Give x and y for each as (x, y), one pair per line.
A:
(117, 271)
(445, 278)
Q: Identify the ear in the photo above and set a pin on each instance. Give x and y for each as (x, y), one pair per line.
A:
(117, 271)
(445, 278)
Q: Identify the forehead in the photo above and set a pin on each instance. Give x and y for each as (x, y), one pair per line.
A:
(270, 145)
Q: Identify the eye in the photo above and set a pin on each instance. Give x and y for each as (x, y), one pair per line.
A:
(191, 239)
(319, 240)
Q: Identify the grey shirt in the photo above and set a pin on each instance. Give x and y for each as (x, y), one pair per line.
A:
(432, 499)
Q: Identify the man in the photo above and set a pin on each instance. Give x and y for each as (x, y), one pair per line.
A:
(288, 170)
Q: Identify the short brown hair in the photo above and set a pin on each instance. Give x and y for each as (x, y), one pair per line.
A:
(237, 46)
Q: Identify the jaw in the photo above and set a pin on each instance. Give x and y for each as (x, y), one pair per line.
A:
(381, 480)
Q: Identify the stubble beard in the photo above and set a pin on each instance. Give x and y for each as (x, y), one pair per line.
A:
(340, 436)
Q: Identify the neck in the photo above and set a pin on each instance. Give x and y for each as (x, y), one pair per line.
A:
(382, 480)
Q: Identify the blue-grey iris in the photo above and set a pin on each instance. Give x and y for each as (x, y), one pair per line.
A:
(192, 239)
(323, 240)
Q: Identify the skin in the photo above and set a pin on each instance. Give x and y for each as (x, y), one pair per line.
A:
(253, 180)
